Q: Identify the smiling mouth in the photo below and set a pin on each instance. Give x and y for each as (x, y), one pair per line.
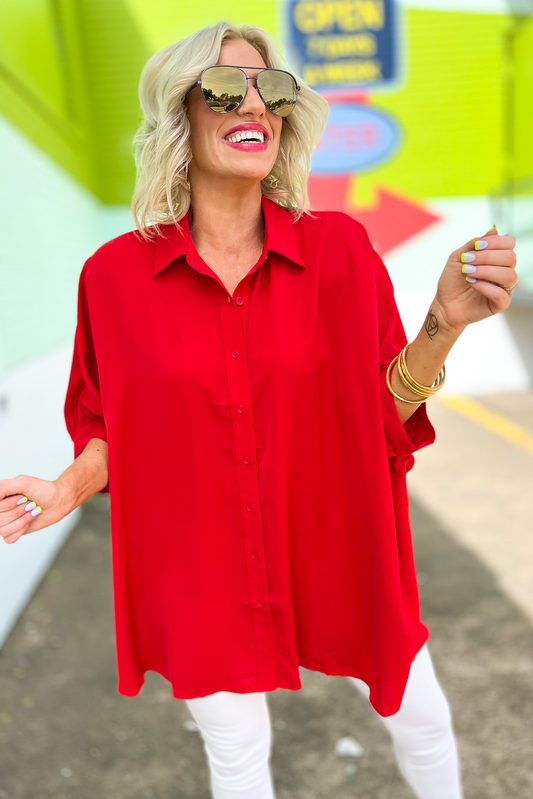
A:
(246, 137)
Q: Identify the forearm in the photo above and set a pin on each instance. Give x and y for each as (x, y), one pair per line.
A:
(86, 476)
(425, 358)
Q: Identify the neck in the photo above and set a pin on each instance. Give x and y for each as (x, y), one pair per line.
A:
(225, 219)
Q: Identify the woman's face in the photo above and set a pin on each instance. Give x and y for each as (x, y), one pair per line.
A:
(213, 155)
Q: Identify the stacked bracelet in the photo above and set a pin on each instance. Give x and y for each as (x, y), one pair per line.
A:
(410, 383)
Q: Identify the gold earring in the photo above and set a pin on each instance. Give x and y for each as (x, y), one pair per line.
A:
(274, 181)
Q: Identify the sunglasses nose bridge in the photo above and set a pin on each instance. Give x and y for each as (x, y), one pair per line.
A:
(247, 95)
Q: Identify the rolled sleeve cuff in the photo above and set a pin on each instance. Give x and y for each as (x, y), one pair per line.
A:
(404, 439)
(82, 436)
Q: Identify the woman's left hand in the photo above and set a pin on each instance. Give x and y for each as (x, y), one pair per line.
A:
(463, 302)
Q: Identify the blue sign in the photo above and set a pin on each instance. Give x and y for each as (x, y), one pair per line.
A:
(336, 44)
(356, 137)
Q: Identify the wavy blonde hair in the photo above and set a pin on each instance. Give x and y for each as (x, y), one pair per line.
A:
(161, 144)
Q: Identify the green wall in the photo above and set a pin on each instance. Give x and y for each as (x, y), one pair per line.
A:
(68, 80)
(521, 67)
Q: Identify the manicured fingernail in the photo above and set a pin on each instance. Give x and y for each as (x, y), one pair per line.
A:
(24, 499)
(36, 511)
(480, 244)
(493, 228)
(30, 505)
(467, 269)
(466, 257)
(471, 279)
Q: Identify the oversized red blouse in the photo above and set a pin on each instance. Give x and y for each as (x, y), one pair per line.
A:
(259, 513)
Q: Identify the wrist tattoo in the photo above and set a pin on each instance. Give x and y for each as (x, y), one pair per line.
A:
(431, 324)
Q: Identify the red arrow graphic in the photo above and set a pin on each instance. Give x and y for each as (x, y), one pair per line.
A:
(393, 220)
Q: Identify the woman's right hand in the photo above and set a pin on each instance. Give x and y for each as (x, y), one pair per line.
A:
(15, 521)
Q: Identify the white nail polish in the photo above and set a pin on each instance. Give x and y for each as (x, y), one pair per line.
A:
(36, 511)
(21, 500)
(469, 270)
(480, 244)
(472, 279)
(30, 505)
(468, 256)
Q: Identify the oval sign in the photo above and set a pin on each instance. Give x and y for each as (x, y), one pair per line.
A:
(356, 137)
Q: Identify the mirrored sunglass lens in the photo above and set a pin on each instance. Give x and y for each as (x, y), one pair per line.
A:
(223, 88)
(278, 91)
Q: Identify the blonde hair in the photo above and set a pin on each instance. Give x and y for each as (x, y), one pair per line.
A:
(161, 144)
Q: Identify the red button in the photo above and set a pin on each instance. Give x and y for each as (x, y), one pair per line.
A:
(229, 299)
(246, 459)
(254, 555)
(240, 408)
(260, 603)
(235, 353)
(239, 300)
(250, 507)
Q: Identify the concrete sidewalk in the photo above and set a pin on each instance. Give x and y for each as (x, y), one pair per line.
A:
(66, 734)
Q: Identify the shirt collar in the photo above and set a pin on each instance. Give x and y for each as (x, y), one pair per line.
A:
(279, 237)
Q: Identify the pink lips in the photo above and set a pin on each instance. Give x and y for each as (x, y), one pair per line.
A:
(248, 146)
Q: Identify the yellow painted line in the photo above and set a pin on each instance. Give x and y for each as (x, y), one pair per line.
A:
(493, 422)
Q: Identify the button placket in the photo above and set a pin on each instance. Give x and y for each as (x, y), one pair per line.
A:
(248, 481)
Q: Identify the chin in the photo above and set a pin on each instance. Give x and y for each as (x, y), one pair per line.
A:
(256, 175)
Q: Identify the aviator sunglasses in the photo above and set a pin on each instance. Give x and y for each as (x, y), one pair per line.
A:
(224, 88)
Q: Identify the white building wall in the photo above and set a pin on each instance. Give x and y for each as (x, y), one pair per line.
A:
(49, 225)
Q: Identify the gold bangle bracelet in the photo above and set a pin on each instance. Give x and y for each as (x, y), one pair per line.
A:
(426, 389)
(405, 380)
(413, 388)
(413, 385)
(437, 383)
(387, 377)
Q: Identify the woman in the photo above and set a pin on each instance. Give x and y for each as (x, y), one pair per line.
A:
(242, 388)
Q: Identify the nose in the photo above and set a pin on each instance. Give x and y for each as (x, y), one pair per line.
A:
(252, 103)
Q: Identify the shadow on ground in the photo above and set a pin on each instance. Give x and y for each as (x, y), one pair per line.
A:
(65, 733)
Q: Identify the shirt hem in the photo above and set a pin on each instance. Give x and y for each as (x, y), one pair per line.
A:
(387, 708)
(268, 685)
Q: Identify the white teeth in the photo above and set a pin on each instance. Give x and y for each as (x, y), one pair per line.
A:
(246, 134)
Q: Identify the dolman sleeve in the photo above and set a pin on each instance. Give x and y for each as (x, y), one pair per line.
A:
(83, 404)
(417, 432)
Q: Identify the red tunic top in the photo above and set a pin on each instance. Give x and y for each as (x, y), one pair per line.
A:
(257, 462)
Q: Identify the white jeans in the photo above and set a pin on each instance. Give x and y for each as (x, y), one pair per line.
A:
(237, 738)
